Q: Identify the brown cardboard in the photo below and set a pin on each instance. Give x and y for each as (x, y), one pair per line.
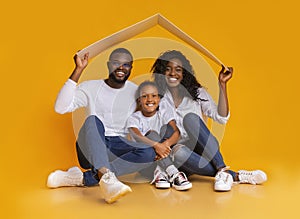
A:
(133, 30)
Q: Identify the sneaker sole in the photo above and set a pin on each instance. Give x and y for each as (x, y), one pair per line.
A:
(182, 188)
(162, 185)
(222, 189)
(119, 195)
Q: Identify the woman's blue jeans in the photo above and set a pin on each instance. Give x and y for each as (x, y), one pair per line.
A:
(200, 154)
(121, 156)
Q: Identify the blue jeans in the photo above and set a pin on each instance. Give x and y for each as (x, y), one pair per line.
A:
(200, 154)
(121, 156)
(165, 132)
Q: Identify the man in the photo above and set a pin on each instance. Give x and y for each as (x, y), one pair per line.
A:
(102, 148)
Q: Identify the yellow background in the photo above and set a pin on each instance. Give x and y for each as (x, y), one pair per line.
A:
(260, 39)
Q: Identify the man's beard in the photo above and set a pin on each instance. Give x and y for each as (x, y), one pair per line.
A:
(119, 81)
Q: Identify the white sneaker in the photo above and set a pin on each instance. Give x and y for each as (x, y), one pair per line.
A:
(71, 177)
(111, 188)
(223, 180)
(180, 182)
(160, 179)
(252, 177)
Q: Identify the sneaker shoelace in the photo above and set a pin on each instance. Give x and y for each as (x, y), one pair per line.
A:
(109, 177)
(246, 177)
(222, 175)
(159, 177)
(72, 180)
(180, 178)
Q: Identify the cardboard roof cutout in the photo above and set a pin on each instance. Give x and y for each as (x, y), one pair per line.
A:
(133, 30)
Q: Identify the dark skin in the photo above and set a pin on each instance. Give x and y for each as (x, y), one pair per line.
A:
(224, 77)
(118, 73)
(174, 70)
(162, 149)
(119, 66)
(81, 64)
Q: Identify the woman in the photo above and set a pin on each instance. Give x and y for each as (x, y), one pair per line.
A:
(199, 152)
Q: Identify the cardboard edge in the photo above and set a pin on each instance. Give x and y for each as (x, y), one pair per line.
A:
(135, 29)
(118, 37)
(172, 28)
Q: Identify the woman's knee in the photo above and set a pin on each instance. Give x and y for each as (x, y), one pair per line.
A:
(180, 153)
(192, 122)
(190, 118)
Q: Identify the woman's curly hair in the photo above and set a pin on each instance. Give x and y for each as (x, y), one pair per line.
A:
(189, 83)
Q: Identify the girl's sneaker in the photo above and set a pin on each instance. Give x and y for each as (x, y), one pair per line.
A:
(180, 182)
(160, 179)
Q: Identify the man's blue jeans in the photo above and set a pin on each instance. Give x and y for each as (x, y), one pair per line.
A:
(200, 155)
(121, 156)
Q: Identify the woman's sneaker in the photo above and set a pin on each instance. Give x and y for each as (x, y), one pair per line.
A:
(223, 180)
(111, 188)
(180, 182)
(252, 177)
(160, 179)
(71, 177)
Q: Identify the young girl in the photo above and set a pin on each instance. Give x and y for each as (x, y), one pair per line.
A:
(154, 124)
(200, 154)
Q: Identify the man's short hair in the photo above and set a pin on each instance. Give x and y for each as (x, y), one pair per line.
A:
(121, 50)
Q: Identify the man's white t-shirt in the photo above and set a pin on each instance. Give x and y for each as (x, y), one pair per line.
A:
(112, 106)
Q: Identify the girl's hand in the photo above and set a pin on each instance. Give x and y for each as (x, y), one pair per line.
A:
(162, 150)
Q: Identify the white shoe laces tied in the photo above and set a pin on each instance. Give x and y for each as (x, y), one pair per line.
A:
(246, 177)
(222, 175)
(109, 177)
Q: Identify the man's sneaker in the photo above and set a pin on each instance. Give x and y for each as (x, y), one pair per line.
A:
(252, 177)
(160, 179)
(180, 181)
(71, 177)
(223, 180)
(111, 188)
